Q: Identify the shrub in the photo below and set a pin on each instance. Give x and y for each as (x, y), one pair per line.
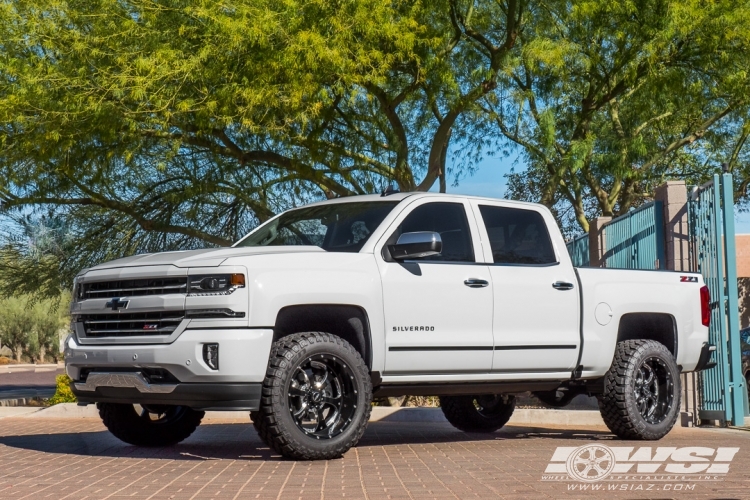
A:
(63, 394)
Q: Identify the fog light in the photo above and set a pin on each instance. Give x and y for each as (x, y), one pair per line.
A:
(211, 355)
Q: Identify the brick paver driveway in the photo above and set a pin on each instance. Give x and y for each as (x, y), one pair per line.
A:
(77, 459)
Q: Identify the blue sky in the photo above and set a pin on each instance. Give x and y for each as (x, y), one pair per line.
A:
(489, 180)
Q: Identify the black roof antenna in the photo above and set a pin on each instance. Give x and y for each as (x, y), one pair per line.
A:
(391, 189)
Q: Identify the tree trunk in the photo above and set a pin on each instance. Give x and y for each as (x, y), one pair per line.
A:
(41, 355)
(17, 353)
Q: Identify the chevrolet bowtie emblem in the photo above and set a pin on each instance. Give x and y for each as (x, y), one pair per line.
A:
(116, 304)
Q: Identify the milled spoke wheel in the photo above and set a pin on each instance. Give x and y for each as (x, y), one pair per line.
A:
(159, 414)
(490, 405)
(653, 390)
(322, 396)
(316, 397)
(641, 397)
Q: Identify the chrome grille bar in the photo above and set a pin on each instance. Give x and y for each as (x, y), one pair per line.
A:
(131, 324)
(133, 287)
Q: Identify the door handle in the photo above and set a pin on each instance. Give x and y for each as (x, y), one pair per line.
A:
(476, 283)
(562, 285)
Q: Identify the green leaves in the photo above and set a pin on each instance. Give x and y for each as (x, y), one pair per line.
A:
(149, 126)
(633, 88)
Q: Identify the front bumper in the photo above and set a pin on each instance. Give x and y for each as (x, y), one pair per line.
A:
(243, 359)
(225, 396)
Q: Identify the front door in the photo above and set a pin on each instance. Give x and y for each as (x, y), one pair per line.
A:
(536, 298)
(437, 320)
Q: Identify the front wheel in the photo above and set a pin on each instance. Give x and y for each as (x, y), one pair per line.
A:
(149, 425)
(641, 398)
(316, 397)
(485, 413)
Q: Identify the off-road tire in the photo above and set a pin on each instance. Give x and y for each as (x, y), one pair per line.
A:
(617, 403)
(124, 423)
(463, 414)
(274, 422)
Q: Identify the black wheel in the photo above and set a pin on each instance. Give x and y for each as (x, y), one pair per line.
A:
(149, 425)
(316, 397)
(558, 398)
(486, 413)
(641, 398)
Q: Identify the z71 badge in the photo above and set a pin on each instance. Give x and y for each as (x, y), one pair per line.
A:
(689, 279)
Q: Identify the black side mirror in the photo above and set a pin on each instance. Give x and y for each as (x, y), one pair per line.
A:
(416, 245)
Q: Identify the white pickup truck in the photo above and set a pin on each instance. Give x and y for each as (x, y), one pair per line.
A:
(307, 318)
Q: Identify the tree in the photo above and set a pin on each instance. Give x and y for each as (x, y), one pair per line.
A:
(153, 126)
(610, 98)
(50, 318)
(32, 327)
(16, 325)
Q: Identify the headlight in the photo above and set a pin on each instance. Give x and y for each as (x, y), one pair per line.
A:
(215, 284)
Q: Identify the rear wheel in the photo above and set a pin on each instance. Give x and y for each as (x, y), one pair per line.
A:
(149, 425)
(485, 413)
(316, 397)
(641, 398)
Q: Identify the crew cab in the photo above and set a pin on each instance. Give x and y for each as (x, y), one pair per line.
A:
(321, 308)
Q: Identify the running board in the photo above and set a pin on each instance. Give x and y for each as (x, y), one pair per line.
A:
(460, 388)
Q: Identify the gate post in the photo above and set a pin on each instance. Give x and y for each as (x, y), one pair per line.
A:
(737, 379)
(597, 243)
(673, 195)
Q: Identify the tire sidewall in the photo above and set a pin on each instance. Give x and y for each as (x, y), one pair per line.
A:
(646, 429)
(281, 396)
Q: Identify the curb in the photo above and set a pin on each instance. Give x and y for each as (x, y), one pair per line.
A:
(28, 367)
(521, 416)
(17, 411)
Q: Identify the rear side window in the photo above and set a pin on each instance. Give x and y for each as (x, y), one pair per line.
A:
(517, 236)
(447, 219)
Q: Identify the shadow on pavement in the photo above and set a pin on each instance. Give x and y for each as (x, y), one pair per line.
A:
(239, 441)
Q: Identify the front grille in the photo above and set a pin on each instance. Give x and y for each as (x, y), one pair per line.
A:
(131, 324)
(133, 288)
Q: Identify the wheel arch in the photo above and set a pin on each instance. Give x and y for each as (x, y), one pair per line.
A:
(660, 327)
(350, 322)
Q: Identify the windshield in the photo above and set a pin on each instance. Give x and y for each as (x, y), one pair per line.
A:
(336, 227)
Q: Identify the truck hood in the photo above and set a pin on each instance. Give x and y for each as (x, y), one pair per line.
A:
(199, 258)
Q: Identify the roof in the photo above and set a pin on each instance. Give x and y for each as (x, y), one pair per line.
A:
(416, 195)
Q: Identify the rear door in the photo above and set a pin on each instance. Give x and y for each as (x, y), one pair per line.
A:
(536, 297)
(437, 320)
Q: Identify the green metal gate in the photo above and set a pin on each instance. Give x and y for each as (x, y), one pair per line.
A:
(636, 240)
(711, 214)
(578, 248)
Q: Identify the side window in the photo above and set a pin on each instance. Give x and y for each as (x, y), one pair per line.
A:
(517, 236)
(447, 219)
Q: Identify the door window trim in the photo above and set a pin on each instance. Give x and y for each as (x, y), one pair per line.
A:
(482, 228)
(471, 220)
